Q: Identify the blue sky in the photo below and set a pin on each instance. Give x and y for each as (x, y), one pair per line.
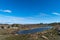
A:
(29, 11)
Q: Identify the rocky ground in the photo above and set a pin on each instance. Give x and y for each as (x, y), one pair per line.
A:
(46, 35)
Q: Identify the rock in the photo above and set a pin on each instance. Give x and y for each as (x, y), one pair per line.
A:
(45, 37)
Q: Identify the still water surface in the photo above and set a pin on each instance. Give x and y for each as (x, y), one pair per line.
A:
(34, 30)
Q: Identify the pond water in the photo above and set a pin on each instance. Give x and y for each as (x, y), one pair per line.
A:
(35, 30)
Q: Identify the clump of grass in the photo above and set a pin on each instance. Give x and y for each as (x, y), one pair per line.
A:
(18, 37)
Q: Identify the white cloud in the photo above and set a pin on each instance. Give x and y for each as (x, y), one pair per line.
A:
(8, 11)
(10, 19)
(20, 20)
(56, 14)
